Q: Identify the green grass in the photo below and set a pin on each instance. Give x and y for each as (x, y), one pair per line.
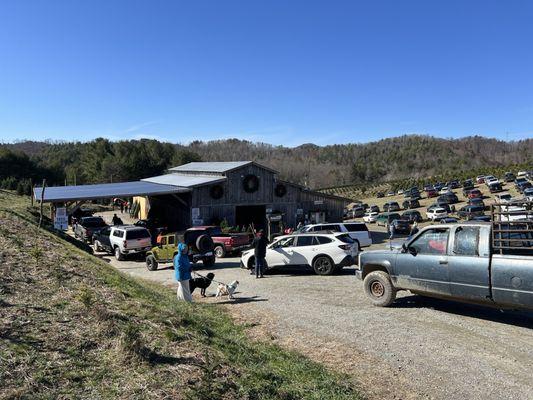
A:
(71, 326)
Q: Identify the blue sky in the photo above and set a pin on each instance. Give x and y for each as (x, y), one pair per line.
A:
(282, 72)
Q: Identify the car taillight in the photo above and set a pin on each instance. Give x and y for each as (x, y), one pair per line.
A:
(345, 246)
(125, 243)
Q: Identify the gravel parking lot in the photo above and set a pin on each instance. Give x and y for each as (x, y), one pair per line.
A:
(419, 348)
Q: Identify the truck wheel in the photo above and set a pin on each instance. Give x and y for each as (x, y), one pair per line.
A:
(323, 265)
(97, 246)
(219, 251)
(118, 254)
(209, 261)
(379, 288)
(151, 263)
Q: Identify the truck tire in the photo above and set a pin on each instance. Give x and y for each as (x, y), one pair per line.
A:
(151, 263)
(219, 251)
(209, 261)
(204, 243)
(118, 254)
(97, 246)
(323, 265)
(379, 288)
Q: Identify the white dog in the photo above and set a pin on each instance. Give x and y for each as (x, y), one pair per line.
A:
(228, 290)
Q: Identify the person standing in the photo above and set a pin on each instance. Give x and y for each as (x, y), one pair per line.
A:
(414, 229)
(182, 273)
(392, 230)
(260, 244)
(122, 207)
(116, 220)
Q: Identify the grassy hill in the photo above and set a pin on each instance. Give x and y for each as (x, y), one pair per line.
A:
(73, 327)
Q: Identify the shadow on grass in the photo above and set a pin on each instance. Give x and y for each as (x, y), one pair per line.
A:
(523, 319)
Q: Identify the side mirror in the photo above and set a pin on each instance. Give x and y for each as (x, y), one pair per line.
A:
(404, 248)
(412, 251)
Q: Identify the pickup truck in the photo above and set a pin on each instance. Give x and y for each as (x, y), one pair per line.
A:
(226, 243)
(86, 227)
(482, 263)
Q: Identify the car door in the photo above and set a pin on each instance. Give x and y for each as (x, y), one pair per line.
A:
(423, 265)
(278, 253)
(302, 253)
(104, 239)
(468, 264)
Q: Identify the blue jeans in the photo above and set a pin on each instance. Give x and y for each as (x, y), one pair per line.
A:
(259, 266)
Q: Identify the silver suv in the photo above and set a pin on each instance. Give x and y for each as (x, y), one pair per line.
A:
(129, 239)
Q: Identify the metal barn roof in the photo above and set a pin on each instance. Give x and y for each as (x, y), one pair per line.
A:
(219, 167)
(105, 190)
(185, 180)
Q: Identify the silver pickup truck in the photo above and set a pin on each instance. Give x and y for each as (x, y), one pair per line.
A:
(484, 263)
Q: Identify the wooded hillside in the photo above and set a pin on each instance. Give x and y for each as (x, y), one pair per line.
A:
(413, 156)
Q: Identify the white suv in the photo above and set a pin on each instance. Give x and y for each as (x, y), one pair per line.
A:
(324, 252)
(436, 213)
(129, 239)
(357, 231)
(370, 216)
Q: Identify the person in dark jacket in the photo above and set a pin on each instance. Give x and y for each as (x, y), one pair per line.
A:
(260, 244)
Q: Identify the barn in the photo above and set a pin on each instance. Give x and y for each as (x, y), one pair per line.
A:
(200, 193)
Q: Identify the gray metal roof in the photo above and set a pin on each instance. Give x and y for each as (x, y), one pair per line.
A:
(105, 190)
(218, 166)
(185, 180)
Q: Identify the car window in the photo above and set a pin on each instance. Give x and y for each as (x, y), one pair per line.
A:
(137, 234)
(345, 238)
(287, 242)
(118, 233)
(322, 239)
(171, 239)
(432, 241)
(466, 241)
(304, 241)
(356, 227)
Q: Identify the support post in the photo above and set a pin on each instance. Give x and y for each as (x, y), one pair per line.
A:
(42, 199)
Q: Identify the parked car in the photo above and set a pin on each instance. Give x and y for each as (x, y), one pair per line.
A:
(412, 216)
(358, 212)
(476, 202)
(468, 184)
(509, 177)
(462, 262)
(495, 187)
(475, 193)
(386, 218)
(448, 198)
(448, 220)
(453, 184)
(324, 253)
(466, 191)
(129, 239)
(391, 193)
(370, 217)
(358, 231)
(400, 192)
(431, 193)
(438, 186)
(436, 213)
(198, 241)
(480, 179)
(446, 206)
(379, 195)
(519, 181)
(86, 227)
(468, 212)
(401, 226)
(227, 243)
(391, 206)
(444, 190)
(523, 186)
(154, 227)
(481, 218)
(374, 208)
(101, 240)
(528, 193)
(410, 204)
(503, 198)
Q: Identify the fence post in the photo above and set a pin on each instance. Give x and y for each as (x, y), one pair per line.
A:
(41, 208)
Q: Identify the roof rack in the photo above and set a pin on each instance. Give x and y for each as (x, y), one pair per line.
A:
(512, 226)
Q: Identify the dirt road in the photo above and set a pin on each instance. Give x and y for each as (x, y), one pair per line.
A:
(419, 348)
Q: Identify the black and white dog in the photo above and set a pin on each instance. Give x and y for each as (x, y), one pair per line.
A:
(202, 283)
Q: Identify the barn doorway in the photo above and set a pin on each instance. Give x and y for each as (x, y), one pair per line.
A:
(246, 215)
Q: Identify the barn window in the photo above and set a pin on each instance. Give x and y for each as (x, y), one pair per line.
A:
(280, 190)
(216, 192)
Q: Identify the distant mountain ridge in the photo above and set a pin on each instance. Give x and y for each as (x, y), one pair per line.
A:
(409, 156)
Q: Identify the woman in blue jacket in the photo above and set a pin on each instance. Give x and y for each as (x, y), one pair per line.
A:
(182, 272)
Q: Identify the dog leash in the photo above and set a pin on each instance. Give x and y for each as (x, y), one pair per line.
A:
(212, 280)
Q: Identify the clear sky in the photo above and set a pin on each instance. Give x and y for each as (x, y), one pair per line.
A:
(284, 72)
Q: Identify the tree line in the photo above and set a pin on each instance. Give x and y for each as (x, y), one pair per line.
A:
(411, 157)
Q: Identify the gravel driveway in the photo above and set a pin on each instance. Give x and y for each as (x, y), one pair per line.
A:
(419, 348)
